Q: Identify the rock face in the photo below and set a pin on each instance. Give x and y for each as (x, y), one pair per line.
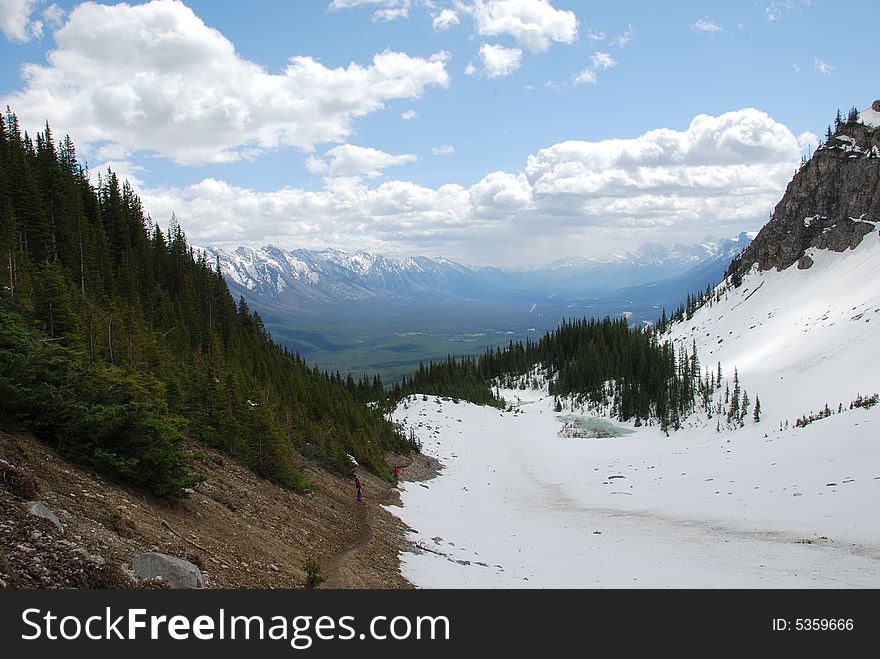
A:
(177, 572)
(831, 203)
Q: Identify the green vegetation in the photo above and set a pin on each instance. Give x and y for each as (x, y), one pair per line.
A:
(121, 344)
(314, 573)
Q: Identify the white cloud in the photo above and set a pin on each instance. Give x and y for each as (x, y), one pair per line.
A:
(409, 115)
(499, 61)
(351, 160)
(600, 61)
(586, 77)
(470, 69)
(706, 25)
(777, 9)
(445, 19)
(593, 35)
(16, 22)
(535, 24)
(54, 14)
(388, 10)
(721, 174)
(621, 40)
(603, 61)
(155, 78)
(822, 66)
(443, 150)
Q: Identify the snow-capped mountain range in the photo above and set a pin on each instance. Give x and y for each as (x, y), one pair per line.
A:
(300, 277)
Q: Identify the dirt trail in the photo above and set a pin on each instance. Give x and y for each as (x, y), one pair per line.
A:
(379, 535)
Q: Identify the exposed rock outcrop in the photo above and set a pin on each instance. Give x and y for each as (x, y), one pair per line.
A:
(831, 203)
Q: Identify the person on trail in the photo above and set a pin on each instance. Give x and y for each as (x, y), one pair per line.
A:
(396, 474)
(359, 489)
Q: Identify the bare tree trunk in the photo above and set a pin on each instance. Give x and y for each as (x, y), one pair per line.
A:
(110, 337)
(82, 262)
(11, 267)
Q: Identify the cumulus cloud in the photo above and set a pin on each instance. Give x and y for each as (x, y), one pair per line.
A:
(535, 24)
(498, 61)
(445, 19)
(54, 14)
(409, 115)
(351, 160)
(706, 25)
(16, 20)
(155, 78)
(443, 150)
(722, 173)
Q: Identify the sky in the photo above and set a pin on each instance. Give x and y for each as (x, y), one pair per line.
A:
(508, 133)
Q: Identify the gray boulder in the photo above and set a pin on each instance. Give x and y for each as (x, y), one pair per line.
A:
(40, 509)
(177, 572)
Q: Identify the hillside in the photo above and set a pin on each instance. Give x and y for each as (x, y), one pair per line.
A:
(240, 529)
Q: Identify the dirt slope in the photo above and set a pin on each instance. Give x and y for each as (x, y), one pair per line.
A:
(240, 529)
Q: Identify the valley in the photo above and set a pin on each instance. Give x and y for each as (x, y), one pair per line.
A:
(371, 314)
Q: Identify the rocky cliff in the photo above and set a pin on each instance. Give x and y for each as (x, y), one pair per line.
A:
(831, 203)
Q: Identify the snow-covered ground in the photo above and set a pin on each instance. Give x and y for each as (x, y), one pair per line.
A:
(518, 505)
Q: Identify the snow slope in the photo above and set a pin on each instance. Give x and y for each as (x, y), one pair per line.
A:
(518, 505)
(800, 338)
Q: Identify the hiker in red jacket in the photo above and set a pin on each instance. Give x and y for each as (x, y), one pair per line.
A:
(396, 474)
(359, 488)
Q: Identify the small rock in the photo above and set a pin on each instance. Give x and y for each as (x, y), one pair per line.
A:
(275, 568)
(82, 551)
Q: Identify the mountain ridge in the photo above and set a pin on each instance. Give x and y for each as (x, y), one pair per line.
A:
(304, 277)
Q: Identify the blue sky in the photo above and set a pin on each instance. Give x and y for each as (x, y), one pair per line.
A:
(501, 132)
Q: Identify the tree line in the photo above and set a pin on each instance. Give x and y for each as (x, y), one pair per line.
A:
(605, 364)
